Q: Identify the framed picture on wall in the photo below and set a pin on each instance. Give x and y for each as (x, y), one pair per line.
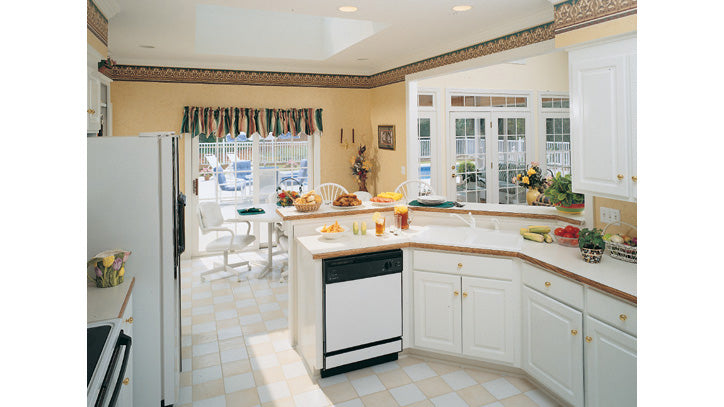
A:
(386, 137)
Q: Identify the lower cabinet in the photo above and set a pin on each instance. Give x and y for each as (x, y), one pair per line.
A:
(610, 365)
(469, 315)
(553, 345)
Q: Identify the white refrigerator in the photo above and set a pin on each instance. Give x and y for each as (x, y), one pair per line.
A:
(134, 203)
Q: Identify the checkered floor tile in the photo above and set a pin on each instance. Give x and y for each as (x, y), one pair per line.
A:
(236, 353)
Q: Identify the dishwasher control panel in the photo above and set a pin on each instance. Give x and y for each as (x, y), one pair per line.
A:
(360, 266)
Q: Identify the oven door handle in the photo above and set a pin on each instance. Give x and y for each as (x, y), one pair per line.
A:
(123, 340)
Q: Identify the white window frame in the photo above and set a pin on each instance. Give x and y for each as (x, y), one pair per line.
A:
(543, 114)
(431, 112)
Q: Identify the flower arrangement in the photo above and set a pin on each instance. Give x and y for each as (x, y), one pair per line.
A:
(286, 198)
(108, 268)
(206, 172)
(532, 178)
(360, 168)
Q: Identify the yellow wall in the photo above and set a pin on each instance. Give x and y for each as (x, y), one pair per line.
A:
(610, 28)
(388, 108)
(94, 42)
(148, 106)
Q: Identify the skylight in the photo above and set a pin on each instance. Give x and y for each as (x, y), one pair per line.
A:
(232, 31)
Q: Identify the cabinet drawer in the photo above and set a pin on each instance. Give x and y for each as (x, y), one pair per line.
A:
(612, 311)
(461, 264)
(555, 286)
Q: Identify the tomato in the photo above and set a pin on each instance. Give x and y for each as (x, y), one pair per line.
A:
(558, 232)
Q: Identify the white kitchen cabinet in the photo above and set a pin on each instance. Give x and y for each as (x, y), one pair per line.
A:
(610, 356)
(603, 119)
(125, 397)
(490, 324)
(437, 310)
(553, 345)
(94, 103)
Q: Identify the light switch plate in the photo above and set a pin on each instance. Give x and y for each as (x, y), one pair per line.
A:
(610, 215)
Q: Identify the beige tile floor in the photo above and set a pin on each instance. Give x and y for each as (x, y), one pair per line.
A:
(236, 353)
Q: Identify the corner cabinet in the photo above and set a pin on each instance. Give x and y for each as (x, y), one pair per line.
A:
(603, 119)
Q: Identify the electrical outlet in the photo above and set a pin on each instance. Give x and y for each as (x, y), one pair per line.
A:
(610, 215)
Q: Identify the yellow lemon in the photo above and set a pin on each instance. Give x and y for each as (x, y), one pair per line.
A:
(376, 216)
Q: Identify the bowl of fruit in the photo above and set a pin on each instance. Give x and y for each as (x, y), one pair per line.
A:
(567, 236)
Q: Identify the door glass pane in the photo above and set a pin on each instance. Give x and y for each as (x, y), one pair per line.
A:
(558, 145)
(456, 100)
(470, 161)
(424, 100)
(423, 131)
(511, 159)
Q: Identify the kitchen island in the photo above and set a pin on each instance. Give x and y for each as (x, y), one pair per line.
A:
(522, 303)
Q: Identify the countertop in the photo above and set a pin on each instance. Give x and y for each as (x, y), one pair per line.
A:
(518, 211)
(108, 303)
(613, 276)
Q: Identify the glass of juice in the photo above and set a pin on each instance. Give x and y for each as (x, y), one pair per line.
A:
(402, 212)
(380, 226)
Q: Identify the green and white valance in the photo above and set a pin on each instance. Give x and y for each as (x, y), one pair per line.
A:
(209, 122)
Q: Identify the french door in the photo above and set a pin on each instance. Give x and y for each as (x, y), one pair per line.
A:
(485, 151)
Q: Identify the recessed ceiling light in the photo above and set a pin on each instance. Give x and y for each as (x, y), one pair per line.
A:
(462, 8)
(147, 46)
(348, 9)
(362, 59)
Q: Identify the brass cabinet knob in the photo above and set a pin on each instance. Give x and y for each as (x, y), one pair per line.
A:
(126, 381)
(452, 167)
(91, 111)
(465, 294)
(623, 317)
(548, 283)
(456, 293)
(589, 339)
(452, 175)
(130, 320)
(460, 265)
(634, 179)
(574, 332)
(619, 176)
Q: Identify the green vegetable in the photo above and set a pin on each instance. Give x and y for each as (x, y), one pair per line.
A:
(591, 239)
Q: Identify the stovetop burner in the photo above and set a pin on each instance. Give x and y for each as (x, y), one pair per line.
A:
(97, 337)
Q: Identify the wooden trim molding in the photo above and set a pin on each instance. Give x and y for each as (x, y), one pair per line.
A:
(565, 273)
(97, 23)
(574, 14)
(518, 39)
(314, 215)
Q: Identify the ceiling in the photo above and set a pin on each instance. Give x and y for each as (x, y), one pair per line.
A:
(309, 36)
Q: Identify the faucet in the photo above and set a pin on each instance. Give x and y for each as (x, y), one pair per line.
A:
(496, 223)
(471, 223)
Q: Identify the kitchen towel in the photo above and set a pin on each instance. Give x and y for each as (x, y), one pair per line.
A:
(250, 211)
(448, 204)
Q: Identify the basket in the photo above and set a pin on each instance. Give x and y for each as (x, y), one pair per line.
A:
(309, 207)
(619, 250)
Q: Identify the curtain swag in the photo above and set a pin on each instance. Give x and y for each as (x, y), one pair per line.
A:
(208, 122)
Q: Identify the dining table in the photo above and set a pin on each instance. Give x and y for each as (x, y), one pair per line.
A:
(270, 217)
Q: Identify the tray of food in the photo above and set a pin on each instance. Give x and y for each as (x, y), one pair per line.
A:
(386, 199)
(346, 201)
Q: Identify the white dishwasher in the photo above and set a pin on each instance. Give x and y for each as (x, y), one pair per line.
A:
(362, 310)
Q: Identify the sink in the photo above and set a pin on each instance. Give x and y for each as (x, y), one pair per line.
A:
(476, 237)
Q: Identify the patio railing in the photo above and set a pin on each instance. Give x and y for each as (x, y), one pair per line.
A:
(271, 152)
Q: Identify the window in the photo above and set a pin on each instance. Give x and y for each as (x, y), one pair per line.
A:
(557, 132)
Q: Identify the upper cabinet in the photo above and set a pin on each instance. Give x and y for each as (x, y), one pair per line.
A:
(603, 118)
(98, 107)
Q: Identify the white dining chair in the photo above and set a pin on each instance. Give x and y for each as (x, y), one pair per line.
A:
(413, 188)
(329, 191)
(211, 220)
(363, 196)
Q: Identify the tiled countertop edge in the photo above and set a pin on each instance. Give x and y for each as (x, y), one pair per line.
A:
(522, 256)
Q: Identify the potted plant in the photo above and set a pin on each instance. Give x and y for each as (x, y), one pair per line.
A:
(532, 180)
(560, 192)
(206, 172)
(591, 244)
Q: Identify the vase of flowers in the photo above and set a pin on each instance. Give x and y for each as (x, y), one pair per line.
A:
(107, 268)
(532, 180)
(360, 168)
(286, 198)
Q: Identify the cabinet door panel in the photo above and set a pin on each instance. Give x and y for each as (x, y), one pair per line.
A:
(610, 366)
(489, 328)
(552, 353)
(437, 311)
